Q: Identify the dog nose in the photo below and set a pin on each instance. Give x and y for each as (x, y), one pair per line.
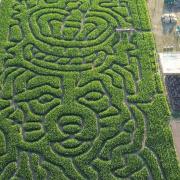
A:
(70, 125)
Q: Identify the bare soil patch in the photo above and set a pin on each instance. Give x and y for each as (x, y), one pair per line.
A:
(164, 34)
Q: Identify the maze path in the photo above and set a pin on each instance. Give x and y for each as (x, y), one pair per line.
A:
(77, 99)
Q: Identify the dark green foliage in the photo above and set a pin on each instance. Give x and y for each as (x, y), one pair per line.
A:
(79, 100)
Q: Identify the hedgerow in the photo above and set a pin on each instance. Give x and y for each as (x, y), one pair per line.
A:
(78, 99)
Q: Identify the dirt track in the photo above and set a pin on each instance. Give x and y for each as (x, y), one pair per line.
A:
(175, 125)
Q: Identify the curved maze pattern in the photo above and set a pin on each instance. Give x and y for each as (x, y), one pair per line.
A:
(72, 95)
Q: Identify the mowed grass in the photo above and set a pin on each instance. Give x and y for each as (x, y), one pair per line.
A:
(79, 100)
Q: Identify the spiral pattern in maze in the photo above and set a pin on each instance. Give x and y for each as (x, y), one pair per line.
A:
(58, 27)
(74, 37)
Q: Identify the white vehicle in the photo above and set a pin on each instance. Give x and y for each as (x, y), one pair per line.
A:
(169, 18)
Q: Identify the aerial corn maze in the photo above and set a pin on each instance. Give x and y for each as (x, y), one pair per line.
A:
(78, 98)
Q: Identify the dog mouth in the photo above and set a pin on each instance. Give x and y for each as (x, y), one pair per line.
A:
(71, 147)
